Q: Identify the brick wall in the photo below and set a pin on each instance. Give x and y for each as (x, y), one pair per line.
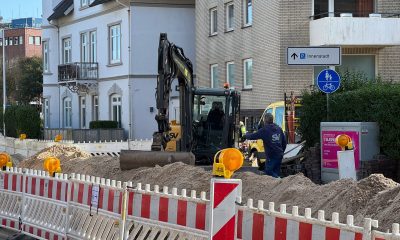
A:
(277, 24)
(389, 57)
(259, 42)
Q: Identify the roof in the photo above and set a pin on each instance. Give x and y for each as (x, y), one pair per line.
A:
(62, 9)
(97, 2)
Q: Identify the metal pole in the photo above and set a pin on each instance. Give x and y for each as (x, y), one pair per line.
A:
(4, 81)
(327, 107)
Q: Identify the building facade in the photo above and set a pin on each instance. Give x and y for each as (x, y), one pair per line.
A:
(244, 42)
(100, 60)
(21, 43)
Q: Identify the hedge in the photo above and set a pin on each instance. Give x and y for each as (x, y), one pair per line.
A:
(357, 101)
(22, 119)
(103, 124)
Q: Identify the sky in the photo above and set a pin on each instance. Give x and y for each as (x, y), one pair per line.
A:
(10, 9)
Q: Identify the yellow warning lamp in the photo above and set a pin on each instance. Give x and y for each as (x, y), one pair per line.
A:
(52, 165)
(22, 136)
(5, 160)
(344, 141)
(226, 162)
(58, 138)
(226, 85)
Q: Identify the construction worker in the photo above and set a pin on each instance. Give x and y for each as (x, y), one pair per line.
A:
(274, 144)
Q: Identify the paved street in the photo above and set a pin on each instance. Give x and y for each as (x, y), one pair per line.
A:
(8, 234)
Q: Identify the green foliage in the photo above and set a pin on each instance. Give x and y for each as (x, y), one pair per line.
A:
(22, 119)
(24, 81)
(103, 124)
(31, 80)
(357, 101)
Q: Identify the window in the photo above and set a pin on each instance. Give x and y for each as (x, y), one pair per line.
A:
(248, 73)
(21, 40)
(10, 41)
(247, 12)
(84, 47)
(37, 40)
(95, 108)
(46, 56)
(279, 115)
(93, 47)
(84, 3)
(67, 112)
(115, 44)
(230, 73)
(66, 50)
(6, 42)
(15, 40)
(82, 112)
(213, 21)
(229, 17)
(1, 42)
(214, 76)
(116, 108)
(30, 40)
(46, 113)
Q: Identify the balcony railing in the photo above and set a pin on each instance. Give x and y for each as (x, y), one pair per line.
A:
(78, 71)
(354, 14)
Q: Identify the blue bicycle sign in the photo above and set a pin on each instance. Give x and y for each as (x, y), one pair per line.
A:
(328, 81)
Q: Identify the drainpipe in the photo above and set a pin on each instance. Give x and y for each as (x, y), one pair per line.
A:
(130, 132)
(331, 8)
(58, 58)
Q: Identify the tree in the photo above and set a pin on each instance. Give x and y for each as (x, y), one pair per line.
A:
(30, 83)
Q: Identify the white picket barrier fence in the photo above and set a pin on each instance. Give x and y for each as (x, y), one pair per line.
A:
(185, 215)
(29, 147)
(88, 207)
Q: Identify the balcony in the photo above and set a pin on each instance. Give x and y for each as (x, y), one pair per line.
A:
(377, 30)
(79, 76)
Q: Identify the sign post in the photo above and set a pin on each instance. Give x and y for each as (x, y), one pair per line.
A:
(328, 81)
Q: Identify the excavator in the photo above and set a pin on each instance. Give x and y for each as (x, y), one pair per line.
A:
(208, 117)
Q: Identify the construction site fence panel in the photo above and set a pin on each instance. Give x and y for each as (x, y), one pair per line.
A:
(180, 212)
(87, 207)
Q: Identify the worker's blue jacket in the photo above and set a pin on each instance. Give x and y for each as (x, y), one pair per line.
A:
(273, 138)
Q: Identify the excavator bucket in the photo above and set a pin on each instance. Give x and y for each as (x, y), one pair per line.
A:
(130, 159)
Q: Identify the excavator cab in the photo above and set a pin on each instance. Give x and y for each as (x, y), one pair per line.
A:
(215, 118)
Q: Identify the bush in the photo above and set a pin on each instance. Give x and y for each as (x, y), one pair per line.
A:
(22, 119)
(371, 101)
(103, 124)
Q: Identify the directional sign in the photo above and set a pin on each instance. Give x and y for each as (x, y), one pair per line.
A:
(328, 81)
(325, 56)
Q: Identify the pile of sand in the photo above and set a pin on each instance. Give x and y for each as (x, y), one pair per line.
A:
(64, 152)
(376, 196)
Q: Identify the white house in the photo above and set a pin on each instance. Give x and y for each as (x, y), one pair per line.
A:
(100, 59)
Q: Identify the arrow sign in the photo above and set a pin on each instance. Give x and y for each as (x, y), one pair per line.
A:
(315, 56)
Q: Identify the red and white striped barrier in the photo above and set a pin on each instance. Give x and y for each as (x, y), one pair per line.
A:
(11, 198)
(87, 207)
(175, 211)
(394, 235)
(224, 195)
(45, 205)
(259, 223)
(95, 207)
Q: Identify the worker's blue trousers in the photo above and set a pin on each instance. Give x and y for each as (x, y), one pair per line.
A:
(273, 167)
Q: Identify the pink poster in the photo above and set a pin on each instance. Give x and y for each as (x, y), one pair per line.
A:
(330, 149)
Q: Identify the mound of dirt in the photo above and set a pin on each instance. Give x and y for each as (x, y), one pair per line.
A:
(64, 152)
(376, 196)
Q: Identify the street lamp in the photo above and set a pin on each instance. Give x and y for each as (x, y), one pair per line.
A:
(4, 77)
